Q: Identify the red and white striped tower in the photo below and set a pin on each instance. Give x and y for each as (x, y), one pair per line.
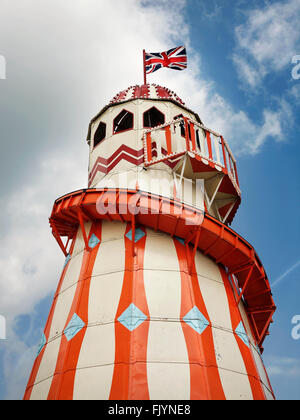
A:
(159, 298)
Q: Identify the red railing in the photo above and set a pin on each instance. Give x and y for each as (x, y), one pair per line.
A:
(185, 135)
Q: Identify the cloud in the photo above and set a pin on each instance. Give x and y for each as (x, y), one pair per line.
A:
(17, 362)
(267, 41)
(29, 257)
(283, 366)
(246, 71)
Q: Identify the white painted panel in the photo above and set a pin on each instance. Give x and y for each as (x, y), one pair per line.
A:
(124, 179)
(259, 364)
(98, 348)
(40, 391)
(166, 342)
(89, 387)
(105, 293)
(169, 381)
(112, 230)
(73, 272)
(61, 312)
(235, 385)
(268, 394)
(160, 254)
(215, 297)
(207, 267)
(46, 370)
(112, 260)
(157, 181)
(160, 286)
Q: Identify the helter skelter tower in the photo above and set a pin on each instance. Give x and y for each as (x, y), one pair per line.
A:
(159, 298)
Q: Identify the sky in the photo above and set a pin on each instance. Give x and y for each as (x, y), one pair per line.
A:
(64, 60)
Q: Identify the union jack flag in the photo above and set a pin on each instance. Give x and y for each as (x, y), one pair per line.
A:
(175, 58)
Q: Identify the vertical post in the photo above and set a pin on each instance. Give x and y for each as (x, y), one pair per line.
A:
(224, 154)
(149, 147)
(187, 133)
(245, 285)
(168, 139)
(196, 243)
(236, 175)
(83, 230)
(192, 130)
(144, 66)
(59, 241)
(208, 140)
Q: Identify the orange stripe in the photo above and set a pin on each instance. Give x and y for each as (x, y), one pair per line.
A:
(168, 139)
(47, 328)
(192, 127)
(62, 385)
(253, 375)
(130, 372)
(149, 147)
(205, 378)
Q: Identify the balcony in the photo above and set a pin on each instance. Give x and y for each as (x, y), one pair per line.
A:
(194, 151)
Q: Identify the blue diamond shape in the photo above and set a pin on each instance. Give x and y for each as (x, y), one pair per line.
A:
(138, 234)
(196, 320)
(41, 344)
(132, 317)
(93, 241)
(179, 239)
(75, 325)
(240, 331)
(67, 260)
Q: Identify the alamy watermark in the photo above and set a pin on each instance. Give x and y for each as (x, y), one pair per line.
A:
(2, 67)
(296, 68)
(296, 328)
(2, 327)
(189, 198)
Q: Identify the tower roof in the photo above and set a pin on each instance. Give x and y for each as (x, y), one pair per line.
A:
(149, 91)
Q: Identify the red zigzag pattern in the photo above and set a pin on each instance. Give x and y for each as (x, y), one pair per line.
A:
(136, 157)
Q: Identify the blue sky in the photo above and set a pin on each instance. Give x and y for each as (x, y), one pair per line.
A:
(239, 80)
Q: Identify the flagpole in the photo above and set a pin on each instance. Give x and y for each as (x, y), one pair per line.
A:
(144, 65)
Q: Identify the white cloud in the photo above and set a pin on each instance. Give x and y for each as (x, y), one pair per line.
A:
(247, 72)
(29, 257)
(283, 366)
(294, 93)
(17, 364)
(267, 41)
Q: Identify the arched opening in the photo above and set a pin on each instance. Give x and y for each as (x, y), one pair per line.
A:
(123, 121)
(182, 129)
(100, 133)
(153, 117)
